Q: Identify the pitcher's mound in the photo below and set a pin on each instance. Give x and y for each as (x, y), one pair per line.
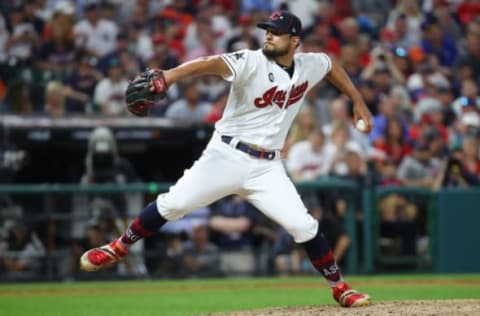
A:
(389, 308)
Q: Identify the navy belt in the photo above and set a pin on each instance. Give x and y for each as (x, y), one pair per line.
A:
(261, 154)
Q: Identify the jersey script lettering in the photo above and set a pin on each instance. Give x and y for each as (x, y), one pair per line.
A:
(273, 95)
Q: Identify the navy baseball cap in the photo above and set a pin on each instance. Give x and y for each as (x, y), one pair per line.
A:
(283, 21)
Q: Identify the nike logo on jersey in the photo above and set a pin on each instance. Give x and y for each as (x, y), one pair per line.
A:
(274, 95)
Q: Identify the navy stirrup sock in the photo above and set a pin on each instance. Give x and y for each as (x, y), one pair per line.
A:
(322, 259)
(146, 224)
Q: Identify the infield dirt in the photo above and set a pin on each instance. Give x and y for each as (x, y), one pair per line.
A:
(390, 308)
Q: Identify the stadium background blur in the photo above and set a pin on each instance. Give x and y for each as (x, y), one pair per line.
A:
(65, 66)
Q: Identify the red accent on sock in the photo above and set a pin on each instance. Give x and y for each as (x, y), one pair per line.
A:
(326, 260)
(135, 232)
(328, 267)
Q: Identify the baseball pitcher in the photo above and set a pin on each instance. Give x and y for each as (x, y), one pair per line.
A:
(268, 87)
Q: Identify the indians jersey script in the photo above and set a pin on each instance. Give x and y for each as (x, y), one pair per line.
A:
(264, 100)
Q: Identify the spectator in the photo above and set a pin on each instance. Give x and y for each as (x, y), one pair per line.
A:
(55, 100)
(201, 258)
(448, 22)
(80, 86)
(57, 54)
(471, 55)
(4, 35)
(369, 95)
(304, 9)
(94, 34)
(109, 95)
(132, 66)
(322, 35)
(350, 60)
(356, 171)
(388, 109)
(467, 10)
(400, 33)
(413, 18)
(340, 113)
(375, 11)
(428, 115)
(169, 23)
(18, 98)
(418, 169)
(107, 11)
(162, 58)
(394, 143)
(383, 70)
(307, 159)
(469, 100)
(260, 5)
(231, 224)
(438, 44)
(242, 37)
(221, 25)
(470, 156)
(463, 169)
(452, 175)
(304, 124)
(61, 20)
(23, 38)
(190, 109)
(174, 238)
(31, 16)
(135, 40)
(436, 143)
(123, 46)
(217, 108)
(21, 252)
(349, 31)
(207, 46)
(398, 226)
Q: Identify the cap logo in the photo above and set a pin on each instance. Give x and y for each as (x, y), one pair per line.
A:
(276, 15)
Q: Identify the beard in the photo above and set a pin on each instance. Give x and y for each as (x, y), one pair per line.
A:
(274, 52)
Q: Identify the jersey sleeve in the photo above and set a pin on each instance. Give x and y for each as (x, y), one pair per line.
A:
(320, 65)
(240, 63)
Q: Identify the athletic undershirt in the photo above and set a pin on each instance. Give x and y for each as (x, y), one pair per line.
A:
(289, 70)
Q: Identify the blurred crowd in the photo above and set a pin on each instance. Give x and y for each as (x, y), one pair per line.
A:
(416, 64)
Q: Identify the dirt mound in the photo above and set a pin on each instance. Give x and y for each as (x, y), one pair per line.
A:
(390, 308)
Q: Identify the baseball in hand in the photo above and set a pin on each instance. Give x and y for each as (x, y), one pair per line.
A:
(361, 125)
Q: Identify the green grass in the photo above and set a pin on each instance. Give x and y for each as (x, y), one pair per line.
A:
(192, 297)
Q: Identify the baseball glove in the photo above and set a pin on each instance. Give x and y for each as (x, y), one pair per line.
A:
(144, 91)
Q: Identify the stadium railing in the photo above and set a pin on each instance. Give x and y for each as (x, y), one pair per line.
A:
(451, 219)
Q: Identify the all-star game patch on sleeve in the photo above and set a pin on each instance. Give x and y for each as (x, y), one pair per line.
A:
(238, 62)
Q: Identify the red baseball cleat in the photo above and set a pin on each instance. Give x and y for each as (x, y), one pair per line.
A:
(347, 297)
(97, 258)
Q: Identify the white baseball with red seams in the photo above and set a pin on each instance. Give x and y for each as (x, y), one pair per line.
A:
(261, 107)
(361, 125)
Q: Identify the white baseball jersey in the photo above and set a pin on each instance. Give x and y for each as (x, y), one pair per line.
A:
(264, 100)
(262, 104)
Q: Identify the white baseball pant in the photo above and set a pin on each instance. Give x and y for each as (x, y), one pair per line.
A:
(223, 170)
